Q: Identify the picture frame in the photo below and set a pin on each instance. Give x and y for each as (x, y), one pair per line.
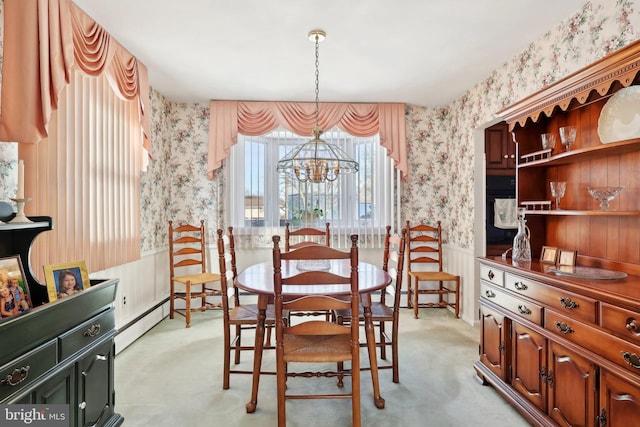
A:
(567, 257)
(549, 255)
(64, 280)
(16, 299)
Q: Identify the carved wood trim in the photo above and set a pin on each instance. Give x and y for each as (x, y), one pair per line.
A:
(622, 66)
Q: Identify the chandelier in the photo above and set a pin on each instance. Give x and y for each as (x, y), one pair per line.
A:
(317, 161)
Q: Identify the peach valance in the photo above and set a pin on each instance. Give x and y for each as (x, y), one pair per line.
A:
(228, 118)
(43, 40)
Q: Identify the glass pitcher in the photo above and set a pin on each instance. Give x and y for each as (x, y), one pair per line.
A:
(521, 243)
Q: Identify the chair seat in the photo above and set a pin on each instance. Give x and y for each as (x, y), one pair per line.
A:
(197, 279)
(432, 275)
(247, 314)
(379, 312)
(317, 348)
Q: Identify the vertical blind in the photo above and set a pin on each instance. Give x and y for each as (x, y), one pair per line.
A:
(86, 175)
(260, 200)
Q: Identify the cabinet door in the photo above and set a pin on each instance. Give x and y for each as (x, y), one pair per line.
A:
(571, 382)
(493, 341)
(499, 148)
(95, 385)
(529, 365)
(619, 401)
(59, 389)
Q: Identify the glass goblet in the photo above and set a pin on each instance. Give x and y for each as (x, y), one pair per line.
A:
(557, 190)
(548, 140)
(568, 136)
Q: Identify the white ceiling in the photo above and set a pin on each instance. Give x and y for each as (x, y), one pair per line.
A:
(422, 52)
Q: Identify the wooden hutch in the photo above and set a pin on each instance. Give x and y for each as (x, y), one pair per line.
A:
(565, 350)
(59, 352)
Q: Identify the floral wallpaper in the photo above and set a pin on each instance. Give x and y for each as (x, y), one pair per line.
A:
(441, 154)
(441, 144)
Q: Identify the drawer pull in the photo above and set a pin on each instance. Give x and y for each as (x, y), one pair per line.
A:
(563, 328)
(523, 309)
(520, 286)
(93, 331)
(568, 303)
(631, 359)
(491, 275)
(631, 325)
(490, 294)
(17, 376)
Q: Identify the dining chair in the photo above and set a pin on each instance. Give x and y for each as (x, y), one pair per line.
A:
(306, 236)
(187, 255)
(424, 248)
(382, 312)
(237, 316)
(315, 341)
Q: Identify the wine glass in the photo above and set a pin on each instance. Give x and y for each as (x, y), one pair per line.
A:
(568, 136)
(548, 140)
(557, 190)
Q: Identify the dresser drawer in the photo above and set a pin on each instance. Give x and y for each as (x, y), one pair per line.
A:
(86, 333)
(574, 305)
(20, 372)
(617, 350)
(621, 322)
(519, 306)
(492, 274)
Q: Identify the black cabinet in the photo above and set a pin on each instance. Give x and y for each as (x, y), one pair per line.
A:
(61, 352)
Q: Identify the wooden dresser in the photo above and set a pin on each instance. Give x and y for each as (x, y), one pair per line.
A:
(566, 350)
(60, 352)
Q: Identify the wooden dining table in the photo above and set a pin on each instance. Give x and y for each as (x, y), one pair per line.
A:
(258, 279)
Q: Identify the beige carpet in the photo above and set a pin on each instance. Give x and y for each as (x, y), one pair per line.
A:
(172, 376)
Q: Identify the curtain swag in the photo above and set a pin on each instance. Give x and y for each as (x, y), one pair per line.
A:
(43, 40)
(228, 118)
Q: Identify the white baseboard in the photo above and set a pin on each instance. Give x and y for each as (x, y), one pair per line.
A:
(134, 331)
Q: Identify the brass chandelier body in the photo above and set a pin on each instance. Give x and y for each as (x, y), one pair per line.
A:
(317, 161)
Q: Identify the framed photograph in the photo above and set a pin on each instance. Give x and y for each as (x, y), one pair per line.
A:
(548, 255)
(567, 257)
(64, 280)
(15, 297)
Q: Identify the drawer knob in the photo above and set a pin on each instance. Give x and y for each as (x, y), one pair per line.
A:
(568, 303)
(521, 286)
(93, 331)
(563, 328)
(17, 376)
(491, 275)
(631, 325)
(631, 359)
(82, 405)
(523, 309)
(490, 294)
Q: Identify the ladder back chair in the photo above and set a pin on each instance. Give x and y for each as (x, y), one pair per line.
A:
(424, 247)
(381, 311)
(189, 278)
(316, 341)
(237, 316)
(300, 237)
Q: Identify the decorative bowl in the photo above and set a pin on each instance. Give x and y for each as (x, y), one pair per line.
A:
(604, 195)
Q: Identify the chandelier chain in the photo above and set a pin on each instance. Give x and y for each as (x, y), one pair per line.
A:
(317, 77)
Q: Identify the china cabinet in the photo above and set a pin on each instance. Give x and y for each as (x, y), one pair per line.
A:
(61, 352)
(564, 349)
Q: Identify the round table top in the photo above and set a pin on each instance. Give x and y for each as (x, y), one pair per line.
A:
(258, 278)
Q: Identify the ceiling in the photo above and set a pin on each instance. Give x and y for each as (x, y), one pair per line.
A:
(421, 52)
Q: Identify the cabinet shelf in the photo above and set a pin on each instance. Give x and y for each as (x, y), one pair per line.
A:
(563, 212)
(584, 154)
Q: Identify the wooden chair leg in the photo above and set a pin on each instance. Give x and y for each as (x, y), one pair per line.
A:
(227, 358)
(171, 299)
(416, 287)
(238, 344)
(458, 298)
(394, 349)
(383, 346)
(187, 313)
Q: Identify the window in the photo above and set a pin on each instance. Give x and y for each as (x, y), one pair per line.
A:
(261, 200)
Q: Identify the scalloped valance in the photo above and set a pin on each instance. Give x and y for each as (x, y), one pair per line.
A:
(37, 65)
(622, 66)
(228, 118)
